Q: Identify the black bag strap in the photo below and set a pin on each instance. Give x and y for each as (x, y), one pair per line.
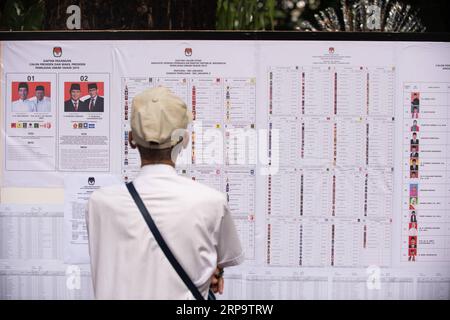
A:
(158, 237)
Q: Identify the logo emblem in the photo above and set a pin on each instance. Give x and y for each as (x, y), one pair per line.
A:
(331, 50)
(91, 181)
(57, 52)
(188, 52)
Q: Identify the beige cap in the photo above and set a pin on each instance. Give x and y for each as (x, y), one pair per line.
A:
(156, 114)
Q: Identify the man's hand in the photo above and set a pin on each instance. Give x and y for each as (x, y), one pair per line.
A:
(217, 281)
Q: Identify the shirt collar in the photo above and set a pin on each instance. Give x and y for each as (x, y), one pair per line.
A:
(157, 170)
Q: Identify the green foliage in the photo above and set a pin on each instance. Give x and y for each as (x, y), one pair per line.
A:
(22, 15)
(230, 14)
(245, 14)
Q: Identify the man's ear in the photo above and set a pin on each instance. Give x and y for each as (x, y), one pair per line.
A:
(131, 141)
(186, 137)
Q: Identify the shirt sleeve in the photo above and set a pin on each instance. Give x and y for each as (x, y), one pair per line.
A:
(229, 251)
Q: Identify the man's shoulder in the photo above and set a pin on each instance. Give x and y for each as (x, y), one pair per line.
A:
(106, 194)
(198, 191)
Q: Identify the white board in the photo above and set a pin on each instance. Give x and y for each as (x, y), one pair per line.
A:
(313, 142)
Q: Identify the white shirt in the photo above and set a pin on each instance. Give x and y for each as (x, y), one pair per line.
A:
(23, 106)
(43, 105)
(194, 220)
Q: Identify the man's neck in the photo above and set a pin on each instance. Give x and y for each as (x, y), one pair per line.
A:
(145, 162)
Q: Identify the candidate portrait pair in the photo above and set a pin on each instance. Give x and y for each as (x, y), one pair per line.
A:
(94, 103)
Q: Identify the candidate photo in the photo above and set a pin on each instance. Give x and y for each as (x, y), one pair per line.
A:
(415, 100)
(30, 97)
(415, 127)
(414, 163)
(83, 97)
(414, 140)
(42, 101)
(74, 103)
(95, 103)
(414, 174)
(414, 153)
(413, 190)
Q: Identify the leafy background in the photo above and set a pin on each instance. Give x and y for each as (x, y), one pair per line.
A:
(187, 14)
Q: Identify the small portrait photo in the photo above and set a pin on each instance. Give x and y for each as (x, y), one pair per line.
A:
(83, 97)
(414, 154)
(414, 164)
(412, 229)
(30, 96)
(413, 216)
(413, 187)
(414, 174)
(413, 201)
(415, 127)
(412, 241)
(415, 99)
(414, 139)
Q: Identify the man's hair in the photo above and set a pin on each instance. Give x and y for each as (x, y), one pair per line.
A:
(155, 155)
(23, 85)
